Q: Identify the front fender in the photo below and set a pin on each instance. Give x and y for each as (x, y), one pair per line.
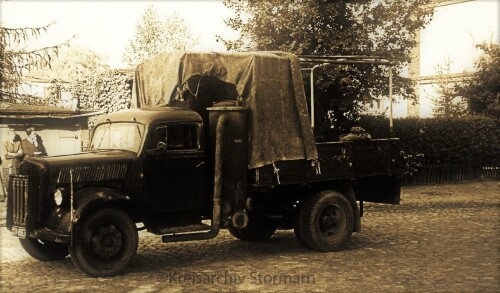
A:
(85, 201)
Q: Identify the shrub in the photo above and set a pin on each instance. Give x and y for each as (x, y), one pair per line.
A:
(441, 141)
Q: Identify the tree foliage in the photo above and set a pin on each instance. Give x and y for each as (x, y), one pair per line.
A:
(320, 27)
(17, 58)
(448, 102)
(483, 90)
(155, 35)
(74, 63)
(107, 91)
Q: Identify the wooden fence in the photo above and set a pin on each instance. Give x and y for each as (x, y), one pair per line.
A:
(451, 173)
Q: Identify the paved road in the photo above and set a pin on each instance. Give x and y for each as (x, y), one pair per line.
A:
(441, 238)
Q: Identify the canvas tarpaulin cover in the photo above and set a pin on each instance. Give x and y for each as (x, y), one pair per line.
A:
(269, 84)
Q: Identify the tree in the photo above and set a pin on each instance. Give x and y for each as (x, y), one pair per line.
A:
(154, 35)
(17, 58)
(483, 90)
(448, 103)
(108, 91)
(311, 27)
(74, 63)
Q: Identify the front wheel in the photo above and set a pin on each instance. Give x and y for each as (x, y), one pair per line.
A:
(106, 243)
(44, 250)
(326, 222)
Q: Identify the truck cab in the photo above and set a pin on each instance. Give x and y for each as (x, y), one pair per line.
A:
(150, 163)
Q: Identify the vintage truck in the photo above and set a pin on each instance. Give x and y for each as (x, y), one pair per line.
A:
(215, 141)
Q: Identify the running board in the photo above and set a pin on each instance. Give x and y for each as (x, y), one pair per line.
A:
(183, 229)
(190, 233)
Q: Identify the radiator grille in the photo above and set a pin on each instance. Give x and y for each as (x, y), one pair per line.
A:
(20, 189)
(84, 174)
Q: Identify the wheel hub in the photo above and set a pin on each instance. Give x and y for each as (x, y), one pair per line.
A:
(106, 241)
(329, 221)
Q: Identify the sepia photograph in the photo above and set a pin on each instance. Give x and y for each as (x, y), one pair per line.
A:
(250, 146)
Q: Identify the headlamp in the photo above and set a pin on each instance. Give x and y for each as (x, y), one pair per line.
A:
(58, 196)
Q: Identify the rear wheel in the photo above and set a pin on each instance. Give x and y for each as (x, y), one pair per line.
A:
(257, 230)
(298, 235)
(44, 250)
(106, 243)
(326, 222)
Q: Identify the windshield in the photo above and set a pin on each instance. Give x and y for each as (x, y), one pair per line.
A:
(118, 136)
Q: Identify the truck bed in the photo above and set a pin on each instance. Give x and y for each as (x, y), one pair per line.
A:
(337, 161)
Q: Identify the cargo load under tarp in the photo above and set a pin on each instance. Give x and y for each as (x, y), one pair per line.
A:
(269, 83)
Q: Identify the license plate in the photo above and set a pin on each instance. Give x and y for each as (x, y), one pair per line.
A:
(19, 232)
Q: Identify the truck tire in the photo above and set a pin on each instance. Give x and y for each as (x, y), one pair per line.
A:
(105, 244)
(298, 236)
(256, 231)
(44, 250)
(326, 222)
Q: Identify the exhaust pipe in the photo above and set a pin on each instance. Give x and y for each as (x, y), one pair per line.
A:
(216, 211)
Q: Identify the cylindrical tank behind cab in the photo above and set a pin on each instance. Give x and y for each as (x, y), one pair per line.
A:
(234, 158)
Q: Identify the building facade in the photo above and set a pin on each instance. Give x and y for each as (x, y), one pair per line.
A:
(447, 48)
(446, 53)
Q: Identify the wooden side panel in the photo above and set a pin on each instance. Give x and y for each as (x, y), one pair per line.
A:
(337, 160)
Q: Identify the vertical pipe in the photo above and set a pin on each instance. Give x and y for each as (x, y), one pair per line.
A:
(312, 95)
(218, 181)
(390, 102)
(218, 178)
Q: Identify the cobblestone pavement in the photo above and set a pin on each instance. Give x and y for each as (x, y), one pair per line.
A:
(441, 238)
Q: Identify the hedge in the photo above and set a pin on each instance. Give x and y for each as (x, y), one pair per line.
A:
(469, 141)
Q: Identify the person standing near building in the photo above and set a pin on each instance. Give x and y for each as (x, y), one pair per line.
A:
(33, 144)
(13, 155)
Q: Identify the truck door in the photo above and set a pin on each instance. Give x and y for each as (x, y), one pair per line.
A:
(175, 169)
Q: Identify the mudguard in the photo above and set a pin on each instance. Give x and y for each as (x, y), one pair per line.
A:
(86, 199)
(348, 192)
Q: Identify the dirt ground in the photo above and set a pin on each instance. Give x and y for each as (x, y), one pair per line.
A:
(442, 238)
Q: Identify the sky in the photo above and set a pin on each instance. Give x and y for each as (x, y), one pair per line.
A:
(107, 26)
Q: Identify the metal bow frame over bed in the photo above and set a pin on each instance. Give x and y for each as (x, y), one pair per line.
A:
(323, 61)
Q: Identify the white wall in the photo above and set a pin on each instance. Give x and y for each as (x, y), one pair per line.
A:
(56, 141)
(426, 105)
(33, 89)
(454, 31)
(453, 34)
(381, 107)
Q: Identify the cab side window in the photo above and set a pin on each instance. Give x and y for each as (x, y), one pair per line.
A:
(182, 137)
(159, 139)
(175, 137)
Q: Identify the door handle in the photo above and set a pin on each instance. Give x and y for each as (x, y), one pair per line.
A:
(200, 164)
